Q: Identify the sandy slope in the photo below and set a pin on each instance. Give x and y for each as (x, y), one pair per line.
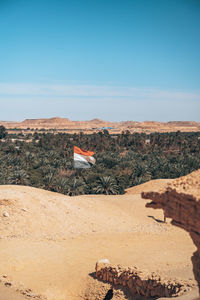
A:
(49, 243)
(153, 185)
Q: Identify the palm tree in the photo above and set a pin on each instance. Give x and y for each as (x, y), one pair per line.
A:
(61, 185)
(106, 185)
(19, 176)
(2, 132)
(49, 179)
(76, 187)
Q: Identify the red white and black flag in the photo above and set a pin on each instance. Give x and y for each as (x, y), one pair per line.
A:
(83, 159)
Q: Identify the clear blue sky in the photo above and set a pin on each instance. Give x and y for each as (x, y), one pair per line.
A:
(109, 59)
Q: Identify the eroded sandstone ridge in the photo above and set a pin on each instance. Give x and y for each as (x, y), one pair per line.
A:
(142, 283)
(97, 124)
(180, 201)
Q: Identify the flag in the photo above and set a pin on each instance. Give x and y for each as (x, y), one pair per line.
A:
(83, 159)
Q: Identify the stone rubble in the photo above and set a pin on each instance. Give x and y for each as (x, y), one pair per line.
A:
(138, 282)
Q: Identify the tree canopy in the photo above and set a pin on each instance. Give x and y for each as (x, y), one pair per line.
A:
(2, 132)
(45, 160)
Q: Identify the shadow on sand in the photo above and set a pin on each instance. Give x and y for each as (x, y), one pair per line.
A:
(157, 220)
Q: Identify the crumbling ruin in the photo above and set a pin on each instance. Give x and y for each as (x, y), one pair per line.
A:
(141, 283)
(181, 202)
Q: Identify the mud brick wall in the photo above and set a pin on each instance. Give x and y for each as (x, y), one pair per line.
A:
(141, 283)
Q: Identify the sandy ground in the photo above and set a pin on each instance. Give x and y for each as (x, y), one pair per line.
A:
(153, 185)
(49, 243)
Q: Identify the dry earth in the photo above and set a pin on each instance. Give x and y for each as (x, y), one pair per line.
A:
(49, 243)
(153, 185)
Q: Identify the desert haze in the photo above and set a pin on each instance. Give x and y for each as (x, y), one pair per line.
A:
(97, 124)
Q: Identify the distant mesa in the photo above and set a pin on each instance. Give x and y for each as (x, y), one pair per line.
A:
(96, 124)
(151, 122)
(182, 123)
(56, 120)
(97, 121)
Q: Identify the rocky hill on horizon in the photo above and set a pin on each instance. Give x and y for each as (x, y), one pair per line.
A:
(93, 125)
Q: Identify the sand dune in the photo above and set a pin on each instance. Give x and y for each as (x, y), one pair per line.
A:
(49, 242)
(154, 185)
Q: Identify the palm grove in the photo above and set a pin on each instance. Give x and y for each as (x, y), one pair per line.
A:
(122, 160)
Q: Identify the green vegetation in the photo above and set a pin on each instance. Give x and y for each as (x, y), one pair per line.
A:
(45, 160)
(2, 132)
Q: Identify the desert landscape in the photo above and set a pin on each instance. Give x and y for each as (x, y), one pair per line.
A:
(50, 243)
(100, 150)
(59, 124)
(72, 234)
